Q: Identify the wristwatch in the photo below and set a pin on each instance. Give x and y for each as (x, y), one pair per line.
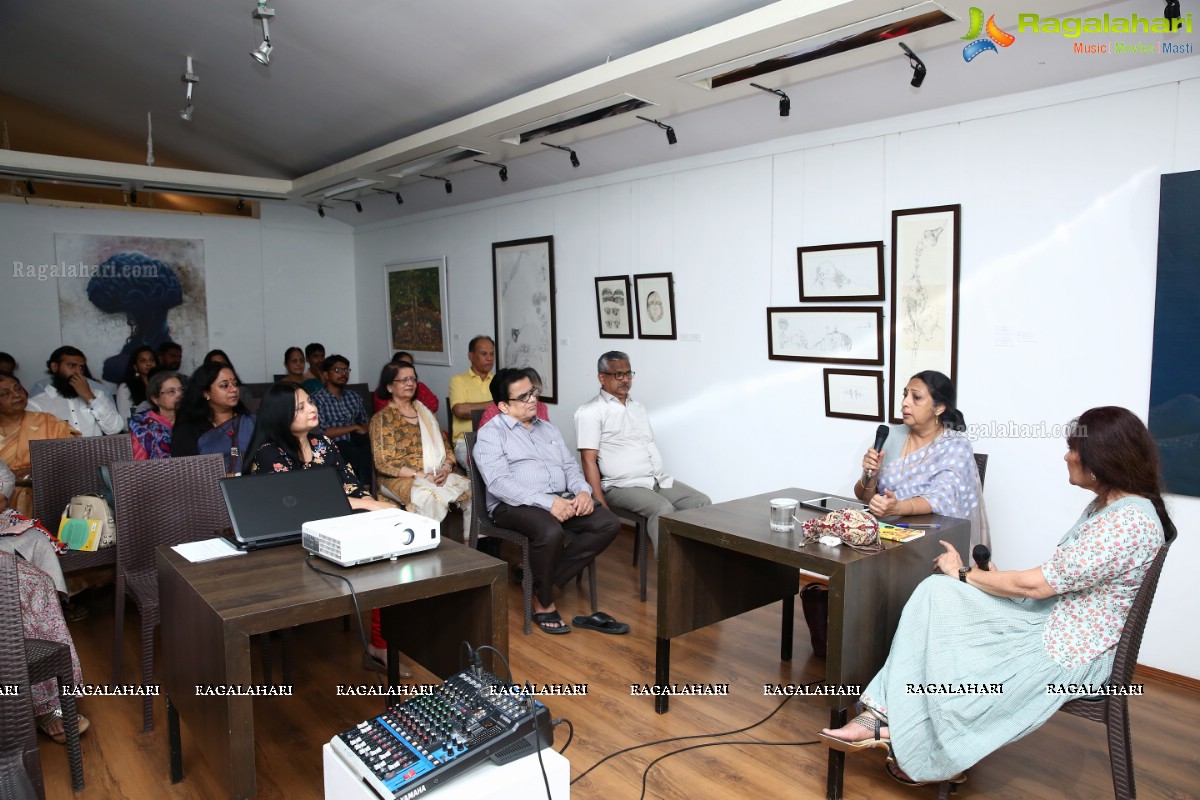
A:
(962, 573)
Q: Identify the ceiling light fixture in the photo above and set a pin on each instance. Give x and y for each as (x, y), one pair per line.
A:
(785, 102)
(399, 199)
(918, 66)
(321, 210)
(1171, 12)
(241, 206)
(670, 131)
(262, 53)
(574, 158)
(503, 169)
(191, 79)
(133, 197)
(449, 186)
(29, 188)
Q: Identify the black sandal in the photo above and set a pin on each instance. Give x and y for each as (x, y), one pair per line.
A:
(551, 622)
(601, 622)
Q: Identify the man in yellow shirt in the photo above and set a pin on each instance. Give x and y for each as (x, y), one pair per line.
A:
(471, 391)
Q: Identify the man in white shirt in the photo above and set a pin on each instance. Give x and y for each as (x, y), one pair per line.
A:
(621, 462)
(71, 397)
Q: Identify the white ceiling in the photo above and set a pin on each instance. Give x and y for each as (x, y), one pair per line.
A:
(353, 86)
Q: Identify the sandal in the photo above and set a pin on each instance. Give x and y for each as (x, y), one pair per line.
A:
(601, 622)
(900, 776)
(44, 722)
(551, 622)
(74, 612)
(868, 721)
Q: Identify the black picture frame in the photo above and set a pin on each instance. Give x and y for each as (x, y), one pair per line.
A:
(655, 293)
(828, 335)
(854, 394)
(523, 297)
(613, 300)
(840, 272)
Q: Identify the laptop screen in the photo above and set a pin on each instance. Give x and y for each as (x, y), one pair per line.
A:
(270, 508)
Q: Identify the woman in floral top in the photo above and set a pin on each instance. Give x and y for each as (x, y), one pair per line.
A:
(286, 437)
(983, 650)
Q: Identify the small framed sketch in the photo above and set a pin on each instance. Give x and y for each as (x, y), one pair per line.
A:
(612, 307)
(854, 394)
(418, 316)
(523, 289)
(655, 305)
(925, 268)
(845, 335)
(831, 272)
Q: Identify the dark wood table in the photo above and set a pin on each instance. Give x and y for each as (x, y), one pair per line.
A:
(723, 560)
(430, 603)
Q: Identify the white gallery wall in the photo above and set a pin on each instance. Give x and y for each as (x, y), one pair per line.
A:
(1059, 194)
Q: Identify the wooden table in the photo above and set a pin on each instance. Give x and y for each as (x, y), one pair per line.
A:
(211, 609)
(723, 560)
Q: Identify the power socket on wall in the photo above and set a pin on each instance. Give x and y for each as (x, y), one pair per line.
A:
(690, 337)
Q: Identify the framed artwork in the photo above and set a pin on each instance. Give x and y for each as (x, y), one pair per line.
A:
(523, 288)
(417, 312)
(847, 335)
(854, 394)
(840, 272)
(612, 307)
(925, 267)
(655, 305)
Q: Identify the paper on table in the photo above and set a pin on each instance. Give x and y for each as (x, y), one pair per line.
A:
(207, 550)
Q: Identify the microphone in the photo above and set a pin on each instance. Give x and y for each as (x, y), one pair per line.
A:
(982, 556)
(881, 434)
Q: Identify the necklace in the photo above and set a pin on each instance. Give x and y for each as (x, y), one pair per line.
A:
(910, 446)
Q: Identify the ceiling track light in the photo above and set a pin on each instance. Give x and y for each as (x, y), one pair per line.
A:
(1172, 12)
(449, 186)
(241, 206)
(191, 79)
(321, 210)
(132, 196)
(357, 204)
(399, 199)
(262, 53)
(670, 131)
(574, 158)
(785, 102)
(918, 66)
(503, 169)
(29, 188)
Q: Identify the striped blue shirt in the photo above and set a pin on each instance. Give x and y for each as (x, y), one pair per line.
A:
(525, 467)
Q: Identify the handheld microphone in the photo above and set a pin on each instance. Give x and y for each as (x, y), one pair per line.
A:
(982, 556)
(881, 434)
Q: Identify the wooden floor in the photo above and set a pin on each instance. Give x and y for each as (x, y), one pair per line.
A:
(1067, 758)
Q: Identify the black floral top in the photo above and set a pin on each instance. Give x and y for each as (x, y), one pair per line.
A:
(272, 458)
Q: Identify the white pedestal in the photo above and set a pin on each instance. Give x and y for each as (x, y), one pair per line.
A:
(486, 781)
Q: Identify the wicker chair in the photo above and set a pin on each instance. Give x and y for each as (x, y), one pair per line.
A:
(20, 763)
(52, 661)
(63, 468)
(1113, 710)
(481, 524)
(159, 502)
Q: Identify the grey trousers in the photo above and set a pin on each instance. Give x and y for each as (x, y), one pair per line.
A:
(650, 503)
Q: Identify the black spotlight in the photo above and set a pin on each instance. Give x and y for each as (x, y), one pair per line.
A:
(574, 158)
(133, 196)
(446, 181)
(399, 199)
(321, 210)
(918, 66)
(358, 206)
(1171, 12)
(241, 206)
(670, 131)
(503, 169)
(29, 188)
(449, 187)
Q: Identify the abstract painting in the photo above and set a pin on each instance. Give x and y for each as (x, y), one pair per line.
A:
(523, 291)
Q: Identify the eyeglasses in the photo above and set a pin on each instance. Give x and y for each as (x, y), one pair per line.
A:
(176, 390)
(620, 375)
(405, 380)
(531, 396)
(341, 370)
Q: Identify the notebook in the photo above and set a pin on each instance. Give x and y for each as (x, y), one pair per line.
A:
(269, 509)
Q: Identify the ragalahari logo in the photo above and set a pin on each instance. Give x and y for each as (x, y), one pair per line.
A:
(995, 36)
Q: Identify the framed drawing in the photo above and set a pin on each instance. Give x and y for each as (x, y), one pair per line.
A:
(840, 272)
(854, 394)
(925, 267)
(655, 305)
(418, 315)
(523, 288)
(612, 307)
(847, 335)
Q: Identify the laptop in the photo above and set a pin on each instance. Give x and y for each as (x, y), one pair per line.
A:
(269, 509)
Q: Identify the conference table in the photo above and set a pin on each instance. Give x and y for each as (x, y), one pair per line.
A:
(430, 603)
(723, 560)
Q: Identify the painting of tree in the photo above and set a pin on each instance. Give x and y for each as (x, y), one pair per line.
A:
(417, 318)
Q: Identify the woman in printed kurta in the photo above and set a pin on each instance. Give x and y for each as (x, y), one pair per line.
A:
(151, 429)
(926, 465)
(979, 662)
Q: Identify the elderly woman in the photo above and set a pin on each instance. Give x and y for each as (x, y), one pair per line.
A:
(132, 391)
(211, 418)
(412, 453)
(1057, 624)
(151, 429)
(293, 362)
(926, 465)
(18, 428)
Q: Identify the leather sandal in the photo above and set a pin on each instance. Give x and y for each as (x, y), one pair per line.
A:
(868, 721)
(551, 622)
(601, 622)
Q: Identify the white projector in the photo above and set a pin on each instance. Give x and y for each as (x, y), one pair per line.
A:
(373, 536)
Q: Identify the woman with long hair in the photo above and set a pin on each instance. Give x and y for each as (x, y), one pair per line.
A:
(152, 429)
(132, 391)
(212, 418)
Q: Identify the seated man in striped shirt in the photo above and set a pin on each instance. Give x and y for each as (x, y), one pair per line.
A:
(534, 487)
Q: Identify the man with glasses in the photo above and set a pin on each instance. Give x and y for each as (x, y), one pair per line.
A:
(534, 487)
(620, 459)
(342, 415)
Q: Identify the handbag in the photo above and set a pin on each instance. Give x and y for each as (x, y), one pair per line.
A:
(230, 439)
(814, 601)
(87, 523)
(857, 529)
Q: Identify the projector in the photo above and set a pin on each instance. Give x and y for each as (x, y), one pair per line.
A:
(373, 536)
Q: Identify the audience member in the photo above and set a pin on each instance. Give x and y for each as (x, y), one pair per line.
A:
(71, 397)
(314, 354)
(293, 363)
(8, 364)
(382, 396)
(534, 487)
(343, 416)
(151, 429)
(131, 394)
(170, 356)
(218, 356)
(470, 391)
(97, 386)
(212, 418)
(18, 427)
(621, 461)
